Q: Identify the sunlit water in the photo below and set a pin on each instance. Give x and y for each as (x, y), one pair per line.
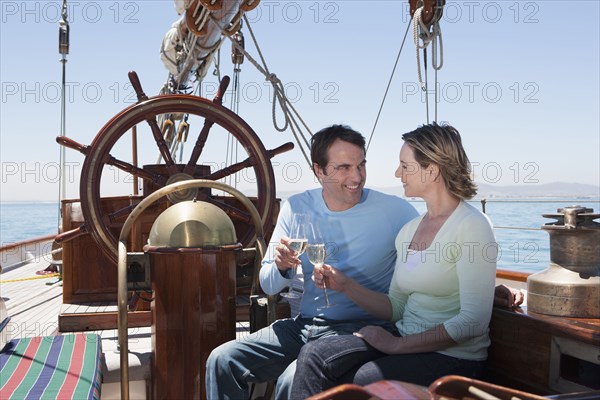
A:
(21, 221)
(520, 249)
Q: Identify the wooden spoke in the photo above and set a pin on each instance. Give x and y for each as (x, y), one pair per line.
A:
(163, 148)
(203, 135)
(72, 234)
(232, 211)
(198, 147)
(249, 162)
(70, 143)
(156, 179)
(120, 214)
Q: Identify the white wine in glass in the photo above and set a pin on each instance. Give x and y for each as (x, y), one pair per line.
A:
(316, 254)
(297, 243)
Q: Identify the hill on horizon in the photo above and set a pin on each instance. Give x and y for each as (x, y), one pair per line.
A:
(554, 189)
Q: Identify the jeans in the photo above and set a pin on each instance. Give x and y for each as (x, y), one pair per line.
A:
(266, 355)
(349, 359)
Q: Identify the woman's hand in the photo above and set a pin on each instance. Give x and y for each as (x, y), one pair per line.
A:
(381, 339)
(326, 276)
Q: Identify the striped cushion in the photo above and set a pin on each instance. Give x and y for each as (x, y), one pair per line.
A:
(51, 367)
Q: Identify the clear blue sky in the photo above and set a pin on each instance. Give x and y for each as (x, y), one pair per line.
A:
(520, 80)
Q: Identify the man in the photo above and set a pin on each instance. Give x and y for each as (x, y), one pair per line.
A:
(359, 226)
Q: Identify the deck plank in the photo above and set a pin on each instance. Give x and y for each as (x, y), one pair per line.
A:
(32, 305)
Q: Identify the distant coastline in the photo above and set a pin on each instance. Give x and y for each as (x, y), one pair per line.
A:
(555, 190)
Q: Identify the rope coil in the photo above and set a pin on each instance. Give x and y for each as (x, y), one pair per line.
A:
(423, 33)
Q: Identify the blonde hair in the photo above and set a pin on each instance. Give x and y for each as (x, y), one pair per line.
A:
(441, 145)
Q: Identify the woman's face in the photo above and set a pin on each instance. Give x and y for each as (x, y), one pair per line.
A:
(410, 172)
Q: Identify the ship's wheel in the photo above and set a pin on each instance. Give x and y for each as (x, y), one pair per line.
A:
(208, 116)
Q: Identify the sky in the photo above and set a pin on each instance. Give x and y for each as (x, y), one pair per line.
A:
(519, 80)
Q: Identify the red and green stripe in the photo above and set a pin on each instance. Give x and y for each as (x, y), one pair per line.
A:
(65, 367)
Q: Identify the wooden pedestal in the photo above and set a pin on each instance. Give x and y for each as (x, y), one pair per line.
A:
(193, 312)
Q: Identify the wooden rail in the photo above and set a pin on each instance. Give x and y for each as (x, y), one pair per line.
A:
(27, 242)
(512, 275)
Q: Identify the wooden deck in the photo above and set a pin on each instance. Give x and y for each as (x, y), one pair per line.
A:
(32, 304)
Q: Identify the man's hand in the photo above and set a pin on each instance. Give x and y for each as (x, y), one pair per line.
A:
(285, 258)
(508, 297)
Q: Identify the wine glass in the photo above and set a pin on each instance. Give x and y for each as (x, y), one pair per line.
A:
(316, 254)
(297, 242)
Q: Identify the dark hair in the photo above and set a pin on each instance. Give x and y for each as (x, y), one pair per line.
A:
(322, 140)
(441, 145)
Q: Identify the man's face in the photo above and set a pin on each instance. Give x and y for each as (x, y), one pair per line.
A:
(344, 177)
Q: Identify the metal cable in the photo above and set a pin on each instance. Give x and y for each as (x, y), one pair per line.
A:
(388, 85)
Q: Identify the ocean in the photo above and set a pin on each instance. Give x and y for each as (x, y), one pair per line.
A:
(517, 222)
(26, 220)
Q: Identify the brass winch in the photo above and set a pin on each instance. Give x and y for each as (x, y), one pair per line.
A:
(570, 287)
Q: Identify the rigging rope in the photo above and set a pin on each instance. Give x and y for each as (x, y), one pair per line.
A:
(426, 85)
(388, 86)
(422, 32)
(278, 92)
(232, 151)
(417, 23)
(293, 119)
(437, 47)
(436, 94)
(437, 60)
(232, 144)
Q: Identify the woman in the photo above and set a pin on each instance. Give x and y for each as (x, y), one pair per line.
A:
(442, 290)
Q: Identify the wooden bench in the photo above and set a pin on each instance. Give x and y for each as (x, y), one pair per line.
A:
(52, 367)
